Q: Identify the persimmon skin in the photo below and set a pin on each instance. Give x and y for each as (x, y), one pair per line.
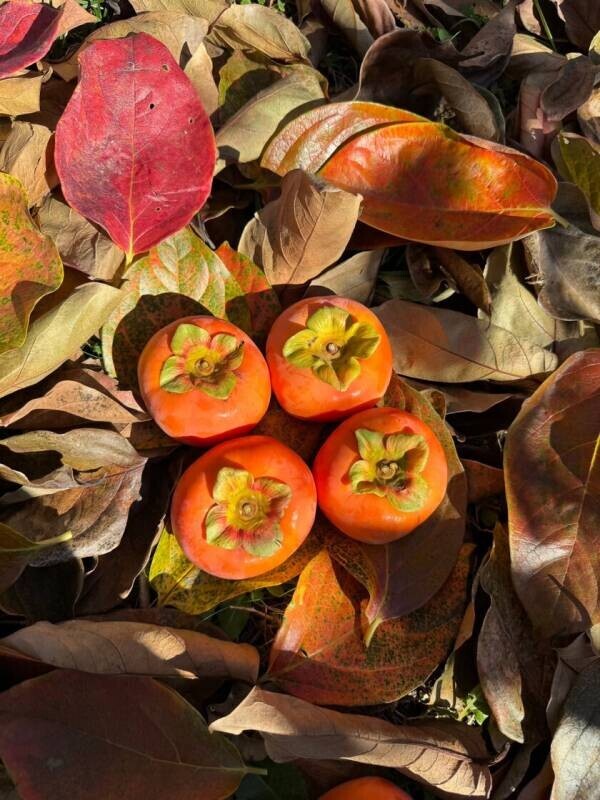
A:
(263, 456)
(301, 393)
(194, 417)
(369, 788)
(367, 517)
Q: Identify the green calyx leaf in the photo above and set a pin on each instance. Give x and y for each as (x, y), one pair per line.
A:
(247, 512)
(201, 361)
(390, 466)
(332, 346)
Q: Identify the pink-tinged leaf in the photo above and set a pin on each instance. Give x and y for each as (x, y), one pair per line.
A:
(70, 734)
(135, 151)
(27, 31)
(30, 266)
(261, 298)
(552, 470)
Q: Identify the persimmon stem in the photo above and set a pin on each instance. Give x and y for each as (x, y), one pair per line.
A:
(256, 771)
(370, 632)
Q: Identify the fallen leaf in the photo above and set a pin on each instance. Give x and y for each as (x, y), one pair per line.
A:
(137, 733)
(263, 29)
(354, 278)
(153, 186)
(81, 245)
(55, 336)
(344, 16)
(180, 584)
(20, 94)
(26, 155)
(483, 480)
(402, 576)
(574, 750)
(210, 10)
(517, 685)
(552, 513)
(133, 648)
(261, 298)
(582, 163)
(29, 264)
(442, 755)
(377, 16)
(450, 347)
(581, 18)
(199, 70)
(465, 277)
(321, 639)
(179, 277)
(241, 78)
(45, 593)
(565, 261)
(486, 56)
(243, 137)
(27, 31)
(297, 236)
(398, 169)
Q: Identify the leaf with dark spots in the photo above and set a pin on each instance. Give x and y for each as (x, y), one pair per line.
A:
(27, 31)
(135, 733)
(319, 654)
(146, 186)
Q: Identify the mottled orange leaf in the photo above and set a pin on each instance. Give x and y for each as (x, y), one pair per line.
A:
(30, 266)
(319, 654)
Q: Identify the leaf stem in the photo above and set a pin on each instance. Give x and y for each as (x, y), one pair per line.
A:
(256, 771)
(544, 23)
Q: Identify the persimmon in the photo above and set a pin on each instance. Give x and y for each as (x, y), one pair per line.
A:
(369, 788)
(328, 357)
(380, 474)
(244, 507)
(203, 380)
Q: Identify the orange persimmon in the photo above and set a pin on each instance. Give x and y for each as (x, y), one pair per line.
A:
(328, 357)
(380, 474)
(203, 380)
(370, 788)
(244, 507)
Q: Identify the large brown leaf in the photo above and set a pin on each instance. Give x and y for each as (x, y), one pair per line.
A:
(552, 479)
(402, 576)
(447, 346)
(297, 236)
(131, 733)
(27, 155)
(442, 755)
(30, 266)
(146, 185)
(134, 648)
(319, 653)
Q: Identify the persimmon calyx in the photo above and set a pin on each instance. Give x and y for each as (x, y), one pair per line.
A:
(247, 512)
(201, 361)
(332, 346)
(390, 466)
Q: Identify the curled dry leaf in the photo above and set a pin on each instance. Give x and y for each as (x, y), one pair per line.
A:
(483, 480)
(133, 732)
(319, 653)
(26, 155)
(182, 585)
(30, 266)
(344, 16)
(450, 347)
(354, 278)
(27, 31)
(134, 648)
(574, 747)
(552, 473)
(297, 236)
(442, 755)
(517, 685)
(581, 18)
(16, 551)
(146, 186)
(20, 94)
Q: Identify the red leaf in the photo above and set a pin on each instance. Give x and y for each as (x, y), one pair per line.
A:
(135, 151)
(27, 32)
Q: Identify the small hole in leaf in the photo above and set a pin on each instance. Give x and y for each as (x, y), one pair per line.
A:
(165, 67)
(191, 119)
(157, 208)
(151, 106)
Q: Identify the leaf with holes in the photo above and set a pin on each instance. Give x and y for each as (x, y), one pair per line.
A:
(30, 266)
(116, 164)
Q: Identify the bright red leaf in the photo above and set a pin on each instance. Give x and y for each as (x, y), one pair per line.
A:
(135, 151)
(27, 31)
